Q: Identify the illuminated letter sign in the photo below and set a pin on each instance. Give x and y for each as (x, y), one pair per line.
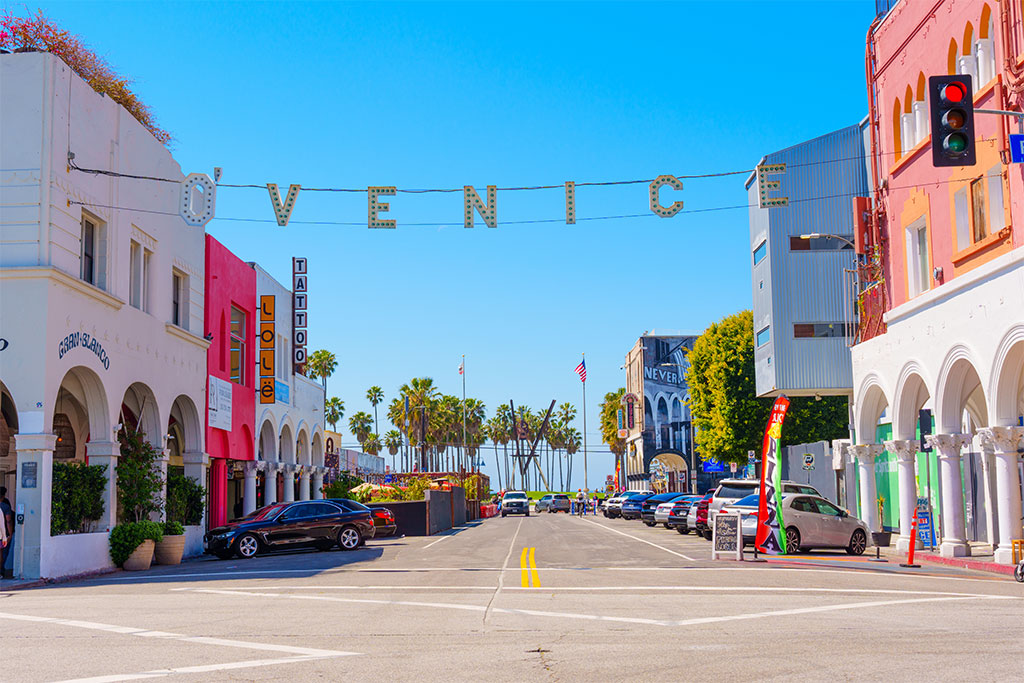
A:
(299, 302)
(488, 211)
(198, 199)
(766, 186)
(375, 207)
(656, 207)
(570, 202)
(268, 335)
(283, 211)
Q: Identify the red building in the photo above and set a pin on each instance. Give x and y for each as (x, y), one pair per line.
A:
(230, 314)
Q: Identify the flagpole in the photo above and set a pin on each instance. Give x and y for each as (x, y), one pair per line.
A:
(464, 444)
(585, 484)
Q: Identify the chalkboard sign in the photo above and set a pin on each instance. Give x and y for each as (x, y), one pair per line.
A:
(29, 475)
(727, 537)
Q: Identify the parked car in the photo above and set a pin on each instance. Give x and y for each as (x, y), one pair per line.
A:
(650, 506)
(613, 508)
(515, 503)
(383, 522)
(632, 507)
(544, 503)
(320, 524)
(811, 522)
(673, 515)
(560, 503)
(700, 522)
(732, 490)
(691, 514)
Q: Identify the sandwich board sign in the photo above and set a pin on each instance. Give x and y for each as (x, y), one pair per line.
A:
(727, 537)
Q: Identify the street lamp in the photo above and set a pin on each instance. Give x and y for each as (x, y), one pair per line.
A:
(818, 235)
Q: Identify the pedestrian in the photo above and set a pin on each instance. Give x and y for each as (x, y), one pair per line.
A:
(7, 522)
(581, 502)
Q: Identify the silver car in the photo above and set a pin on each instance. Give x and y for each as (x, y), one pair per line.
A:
(811, 522)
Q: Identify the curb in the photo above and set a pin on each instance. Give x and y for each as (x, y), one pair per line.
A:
(36, 583)
(977, 565)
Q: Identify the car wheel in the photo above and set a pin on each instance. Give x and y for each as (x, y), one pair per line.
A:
(792, 540)
(683, 530)
(858, 542)
(503, 513)
(650, 523)
(247, 546)
(666, 525)
(707, 535)
(527, 513)
(349, 538)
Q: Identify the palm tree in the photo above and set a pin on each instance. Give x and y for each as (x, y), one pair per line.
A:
(573, 441)
(321, 363)
(375, 395)
(393, 441)
(422, 394)
(371, 444)
(334, 410)
(360, 424)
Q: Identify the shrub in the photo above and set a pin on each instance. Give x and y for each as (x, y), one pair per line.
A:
(40, 33)
(173, 529)
(416, 489)
(186, 499)
(342, 486)
(77, 497)
(125, 538)
(139, 479)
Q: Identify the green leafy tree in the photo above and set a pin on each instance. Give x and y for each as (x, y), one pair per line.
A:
(728, 416)
(139, 479)
(372, 444)
(375, 395)
(342, 486)
(77, 497)
(360, 424)
(321, 364)
(334, 410)
(610, 421)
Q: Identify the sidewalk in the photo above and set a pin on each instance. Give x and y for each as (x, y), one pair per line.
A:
(981, 558)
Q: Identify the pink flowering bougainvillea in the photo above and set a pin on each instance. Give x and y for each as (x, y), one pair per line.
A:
(40, 33)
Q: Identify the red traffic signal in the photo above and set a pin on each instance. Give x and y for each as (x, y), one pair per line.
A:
(951, 100)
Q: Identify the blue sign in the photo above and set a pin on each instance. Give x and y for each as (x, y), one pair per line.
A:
(1016, 148)
(280, 392)
(713, 466)
(388, 478)
(925, 529)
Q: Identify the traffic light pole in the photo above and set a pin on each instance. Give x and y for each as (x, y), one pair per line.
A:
(1019, 115)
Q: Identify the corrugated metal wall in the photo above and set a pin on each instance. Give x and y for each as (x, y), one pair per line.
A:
(822, 177)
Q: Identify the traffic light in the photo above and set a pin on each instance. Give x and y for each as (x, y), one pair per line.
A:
(951, 100)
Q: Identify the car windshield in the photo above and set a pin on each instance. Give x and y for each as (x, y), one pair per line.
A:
(515, 496)
(735, 490)
(562, 497)
(749, 501)
(268, 512)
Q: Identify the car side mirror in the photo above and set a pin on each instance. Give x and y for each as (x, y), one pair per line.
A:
(844, 514)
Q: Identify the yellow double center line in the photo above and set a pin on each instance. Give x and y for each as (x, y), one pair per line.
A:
(529, 569)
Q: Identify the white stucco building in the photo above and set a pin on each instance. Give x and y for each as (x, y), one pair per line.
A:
(101, 302)
(289, 432)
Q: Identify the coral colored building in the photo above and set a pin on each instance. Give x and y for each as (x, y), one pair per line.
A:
(231, 388)
(942, 325)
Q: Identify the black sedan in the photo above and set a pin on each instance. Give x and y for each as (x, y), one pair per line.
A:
(320, 524)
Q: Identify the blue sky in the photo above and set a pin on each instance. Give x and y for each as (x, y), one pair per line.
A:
(444, 95)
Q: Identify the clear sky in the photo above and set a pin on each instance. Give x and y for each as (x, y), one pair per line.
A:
(444, 95)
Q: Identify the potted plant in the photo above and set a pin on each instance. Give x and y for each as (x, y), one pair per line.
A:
(171, 547)
(132, 543)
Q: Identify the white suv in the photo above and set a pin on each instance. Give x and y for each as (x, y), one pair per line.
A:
(731, 490)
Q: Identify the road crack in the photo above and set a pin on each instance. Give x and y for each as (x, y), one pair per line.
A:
(501, 574)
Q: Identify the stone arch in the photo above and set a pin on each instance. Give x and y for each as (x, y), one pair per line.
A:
(185, 414)
(139, 410)
(968, 39)
(1007, 384)
(959, 388)
(86, 387)
(911, 395)
(897, 134)
(951, 56)
(302, 456)
(267, 451)
(317, 455)
(8, 420)
(286, 443)
(873, 400)
(985, 25)
(922, 88)
(248, 443)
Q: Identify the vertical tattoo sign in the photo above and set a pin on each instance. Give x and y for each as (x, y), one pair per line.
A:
(268, 335)
(299, 302)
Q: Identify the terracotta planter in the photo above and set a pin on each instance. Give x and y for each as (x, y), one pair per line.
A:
(170, 549)
(141, 558)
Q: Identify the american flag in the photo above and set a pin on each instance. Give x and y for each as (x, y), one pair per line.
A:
(581, 370)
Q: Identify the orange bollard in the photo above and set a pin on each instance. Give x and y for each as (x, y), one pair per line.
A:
(913, 544)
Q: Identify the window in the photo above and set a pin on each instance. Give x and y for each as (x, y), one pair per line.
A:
(139, 266)
(822, 243)
(179, 299)
(819, 330)
(963, 233)
(918, 273)
(760, 252)
(237, 346)
(978, 210)
(88, 251)
(996, 211)
(826, 508)
(762, 337)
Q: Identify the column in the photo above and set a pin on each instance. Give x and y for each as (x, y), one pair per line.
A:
(304, 482)
(106, 453)
(35, 473)
(270, 483)
(249, 486)
(866, 454)
(988, 481)
(196, 463)
(954, 527)
(217, 492)
(906, 452)
(289, 483)
(1005, 441)
(318, 483)
(165, 457)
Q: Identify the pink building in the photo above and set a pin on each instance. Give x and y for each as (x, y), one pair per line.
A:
(943, 327)
(231, 390)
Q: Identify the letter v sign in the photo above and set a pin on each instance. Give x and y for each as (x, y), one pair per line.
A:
(283, 211)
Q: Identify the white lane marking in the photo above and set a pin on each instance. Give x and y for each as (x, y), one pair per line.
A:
(204, 668)
(299, 653)
(593, 617)
(637, 538)
(443, 536)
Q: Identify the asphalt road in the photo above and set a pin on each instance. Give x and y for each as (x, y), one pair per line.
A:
(547, 597)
